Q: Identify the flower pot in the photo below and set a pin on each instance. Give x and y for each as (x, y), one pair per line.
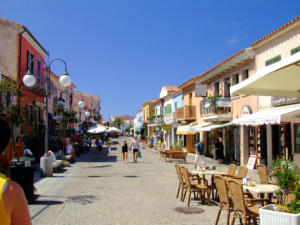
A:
(268, 216)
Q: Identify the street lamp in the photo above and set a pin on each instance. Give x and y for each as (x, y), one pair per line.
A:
(29, 80)
(81, 105)
(87, 113)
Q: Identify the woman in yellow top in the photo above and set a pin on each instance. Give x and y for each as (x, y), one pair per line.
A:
(13, 205)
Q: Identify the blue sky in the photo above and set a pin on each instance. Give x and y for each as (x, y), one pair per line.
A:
(126, 50)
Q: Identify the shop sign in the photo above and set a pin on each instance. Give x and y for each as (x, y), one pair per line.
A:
(200, 90)
(251, 162)
(279, 101)
(224, 102)
(207, 104)
(245, 110)
(39, 104)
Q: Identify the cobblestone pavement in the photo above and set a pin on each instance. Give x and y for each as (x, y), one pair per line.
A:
(102, 189)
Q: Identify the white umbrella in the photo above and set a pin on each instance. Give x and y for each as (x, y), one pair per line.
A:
(97, 129)
(113, 129)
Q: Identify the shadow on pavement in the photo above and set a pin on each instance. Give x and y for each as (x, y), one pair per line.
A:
(131, 176)
(114, 149)
(95, 156)
(46, 202)
(94, 176)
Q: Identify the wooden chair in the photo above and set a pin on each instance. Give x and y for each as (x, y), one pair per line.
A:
(264, 176)
(181, 184)
(230, 171)
(241, 209)
(202, 186)
(241, 174)
(225, 201)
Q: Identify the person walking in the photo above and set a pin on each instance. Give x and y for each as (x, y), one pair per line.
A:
(99, 144)
(13, 204)
(135, 148)
(109, 145)
(220, 151)
(200, 153)
(124, 150)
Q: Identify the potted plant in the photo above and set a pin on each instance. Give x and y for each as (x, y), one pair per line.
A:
(213, 103)
(287, 209)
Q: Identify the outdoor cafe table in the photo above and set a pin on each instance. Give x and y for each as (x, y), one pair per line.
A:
(262, 189)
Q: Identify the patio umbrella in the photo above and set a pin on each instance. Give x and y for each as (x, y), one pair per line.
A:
(97, 129)
(113, 129)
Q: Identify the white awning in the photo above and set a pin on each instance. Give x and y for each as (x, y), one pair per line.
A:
(197, 127)
(185, 130)
(215, 126)
(279, 79)
(269, 116)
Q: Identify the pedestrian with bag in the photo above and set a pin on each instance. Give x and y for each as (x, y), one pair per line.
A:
(135, 148)
(13, 204)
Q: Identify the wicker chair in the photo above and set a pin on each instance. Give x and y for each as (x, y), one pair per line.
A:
(230, 171)
(181, 184)
(264, 176)
(241, 209)
(225, 201)
(202, 186)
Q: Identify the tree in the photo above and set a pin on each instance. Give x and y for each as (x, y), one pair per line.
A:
(10, 111)
(68, 117)
(118, 121)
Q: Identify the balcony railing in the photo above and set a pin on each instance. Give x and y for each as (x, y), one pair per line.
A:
(222, 106)
(186, 113)
(156, 120)
(170, 118)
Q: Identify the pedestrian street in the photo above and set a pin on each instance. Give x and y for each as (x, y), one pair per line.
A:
(102, 189)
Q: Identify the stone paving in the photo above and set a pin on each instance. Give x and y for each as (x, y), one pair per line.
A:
(102, 189)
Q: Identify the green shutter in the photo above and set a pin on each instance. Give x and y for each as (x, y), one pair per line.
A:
(273, 60)
(295, 50)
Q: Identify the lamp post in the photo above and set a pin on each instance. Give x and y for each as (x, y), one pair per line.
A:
(81, 105)
(29, 80)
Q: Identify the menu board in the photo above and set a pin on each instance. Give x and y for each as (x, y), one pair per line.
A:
(252, 161)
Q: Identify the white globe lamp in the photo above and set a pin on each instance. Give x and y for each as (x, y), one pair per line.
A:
(29, 80)
(65, 79)
(81, 104)
(87, 113)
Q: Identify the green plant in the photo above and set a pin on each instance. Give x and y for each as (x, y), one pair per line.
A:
(180, 143)
(287, 176)
(213, 101)
(118, 121)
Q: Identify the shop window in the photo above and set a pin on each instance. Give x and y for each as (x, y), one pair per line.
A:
(217, 88)
(227, 87)
(297, 137)
(30, 62)
(38, 72)
(245, 74)
(273, 60)
(295, 50)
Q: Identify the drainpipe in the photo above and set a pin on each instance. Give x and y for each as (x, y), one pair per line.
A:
(20, 64)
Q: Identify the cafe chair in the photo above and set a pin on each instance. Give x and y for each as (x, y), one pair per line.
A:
(225, 201)
(242, 209)
(241, 174)
(230, 171)
(181, 184)
(199, 187)
(264, 176)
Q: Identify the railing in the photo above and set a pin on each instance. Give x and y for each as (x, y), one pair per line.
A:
(156, 120)
(170, 118)
(207, 108)
(186, 113)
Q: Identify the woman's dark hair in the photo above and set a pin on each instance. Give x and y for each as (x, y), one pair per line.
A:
(5, 135)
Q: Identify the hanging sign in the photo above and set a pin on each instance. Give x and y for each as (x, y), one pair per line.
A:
(252, 162)
(200, 90)
(224, 102)
(207, 104)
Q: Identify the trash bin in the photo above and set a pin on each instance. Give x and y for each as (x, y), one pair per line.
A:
(22, 172)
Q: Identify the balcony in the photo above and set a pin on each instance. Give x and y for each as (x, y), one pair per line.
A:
(170, 118)
(216, 111)
(186, 113)
(156, 120)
